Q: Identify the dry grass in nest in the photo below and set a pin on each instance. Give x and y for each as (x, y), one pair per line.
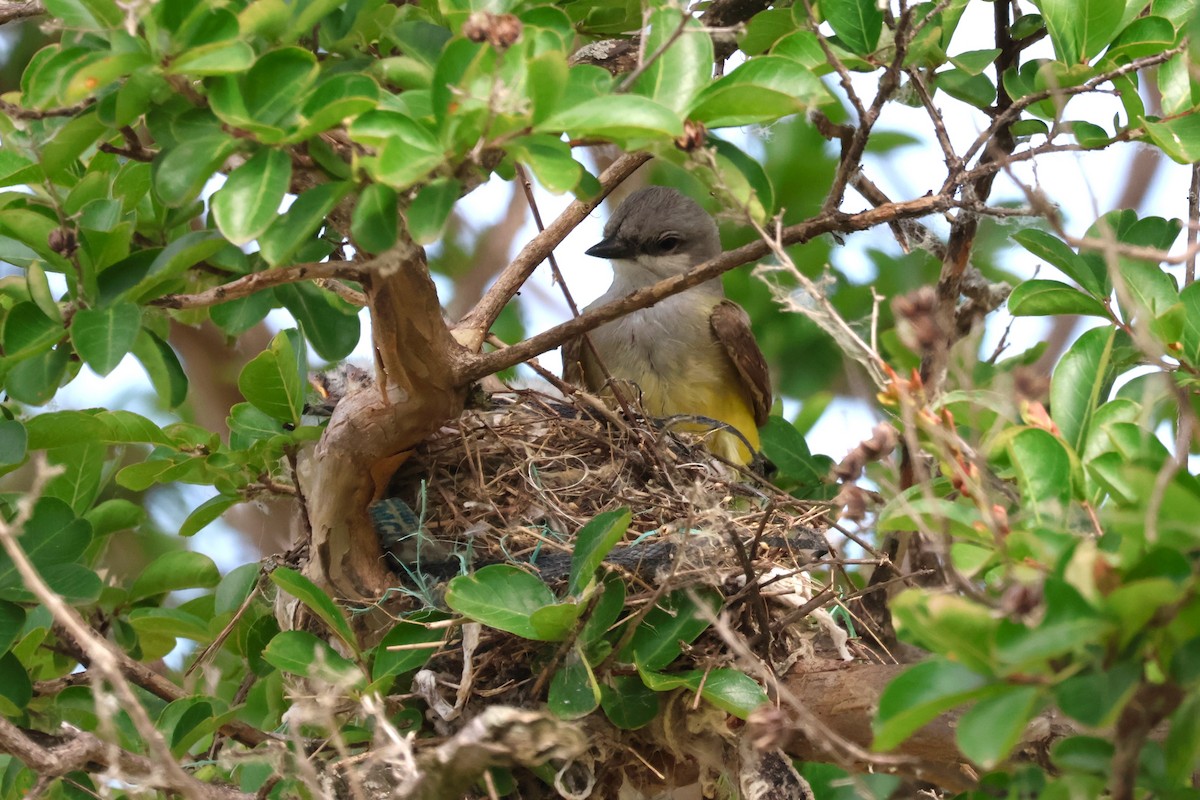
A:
(531, 470)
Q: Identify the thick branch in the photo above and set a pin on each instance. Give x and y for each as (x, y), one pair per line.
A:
(371, 432)
(473, 328)
(475, 367)
(847, 699)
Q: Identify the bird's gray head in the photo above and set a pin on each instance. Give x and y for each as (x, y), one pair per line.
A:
(655, 233)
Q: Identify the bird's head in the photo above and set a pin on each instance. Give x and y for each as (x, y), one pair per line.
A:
(655, 233)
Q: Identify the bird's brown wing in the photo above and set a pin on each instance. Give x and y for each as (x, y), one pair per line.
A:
(731, 325)
(572, 368)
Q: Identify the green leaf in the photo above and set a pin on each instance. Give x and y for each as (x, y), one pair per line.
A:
(500, 596)
(274, 380)
(408, 632)
(684, 68)
(170, 623)
(301, 221)
(216, 58)
(12, 620)
(675, 620)
(594, 541)
(550, 159)
(28, 331)
(114, 515)
(86, 14)
(1145, 36)
(949, 625)
(39, 291)
(374, 222)
(301, 653)
(1056, 253)
(616, 117)
(163, 367)
(248, 425)
(331, 331)
(574, 692)
(1179, 138)
(274, 86)
(762, 89)
(1190, 336)
(53, 536)
(605, 611)
(207, 513)
(1097, 698)
(317, 601)
(990, 729)
(1079, 29)
(731, 691)
(1044, 472)
(430, 209)
(1040, 298)
(918, 695)
(974, 62)
(975, 90)
(786, 448)
(407, 149)
(16, 690)
(1083, 379)
(35, 380)
(181, 171)
(247, 204)
(857, 23)
(554, 623)
(13, 442)
(240, 315)
(628, 703)
(337, 99)
(179, 569)
(103, 336)
(79, 482)
(98, 74)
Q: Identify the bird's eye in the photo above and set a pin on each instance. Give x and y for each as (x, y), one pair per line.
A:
(668, 243)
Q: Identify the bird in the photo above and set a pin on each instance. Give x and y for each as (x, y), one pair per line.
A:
(692, 354)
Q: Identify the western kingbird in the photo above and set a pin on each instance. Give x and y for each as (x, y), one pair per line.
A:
(692, 353)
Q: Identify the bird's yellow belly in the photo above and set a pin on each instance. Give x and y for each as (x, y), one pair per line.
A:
(696, 380)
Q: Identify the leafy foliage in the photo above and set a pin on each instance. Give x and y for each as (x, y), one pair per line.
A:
(183, 163)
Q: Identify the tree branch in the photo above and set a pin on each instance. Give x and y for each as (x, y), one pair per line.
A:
(473, 328)
(257, 281)
(474, 367)
(55, 756)
(23, 9)
(141, 675)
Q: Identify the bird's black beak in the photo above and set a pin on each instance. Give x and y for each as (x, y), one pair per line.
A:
(611, 247)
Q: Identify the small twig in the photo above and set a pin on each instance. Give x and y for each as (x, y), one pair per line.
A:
(257, 281)
(347, 293)
(101, 654)
(1189, 272)
(627, 83)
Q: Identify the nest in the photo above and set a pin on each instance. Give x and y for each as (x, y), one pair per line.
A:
(514, 481)
(517, 479)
